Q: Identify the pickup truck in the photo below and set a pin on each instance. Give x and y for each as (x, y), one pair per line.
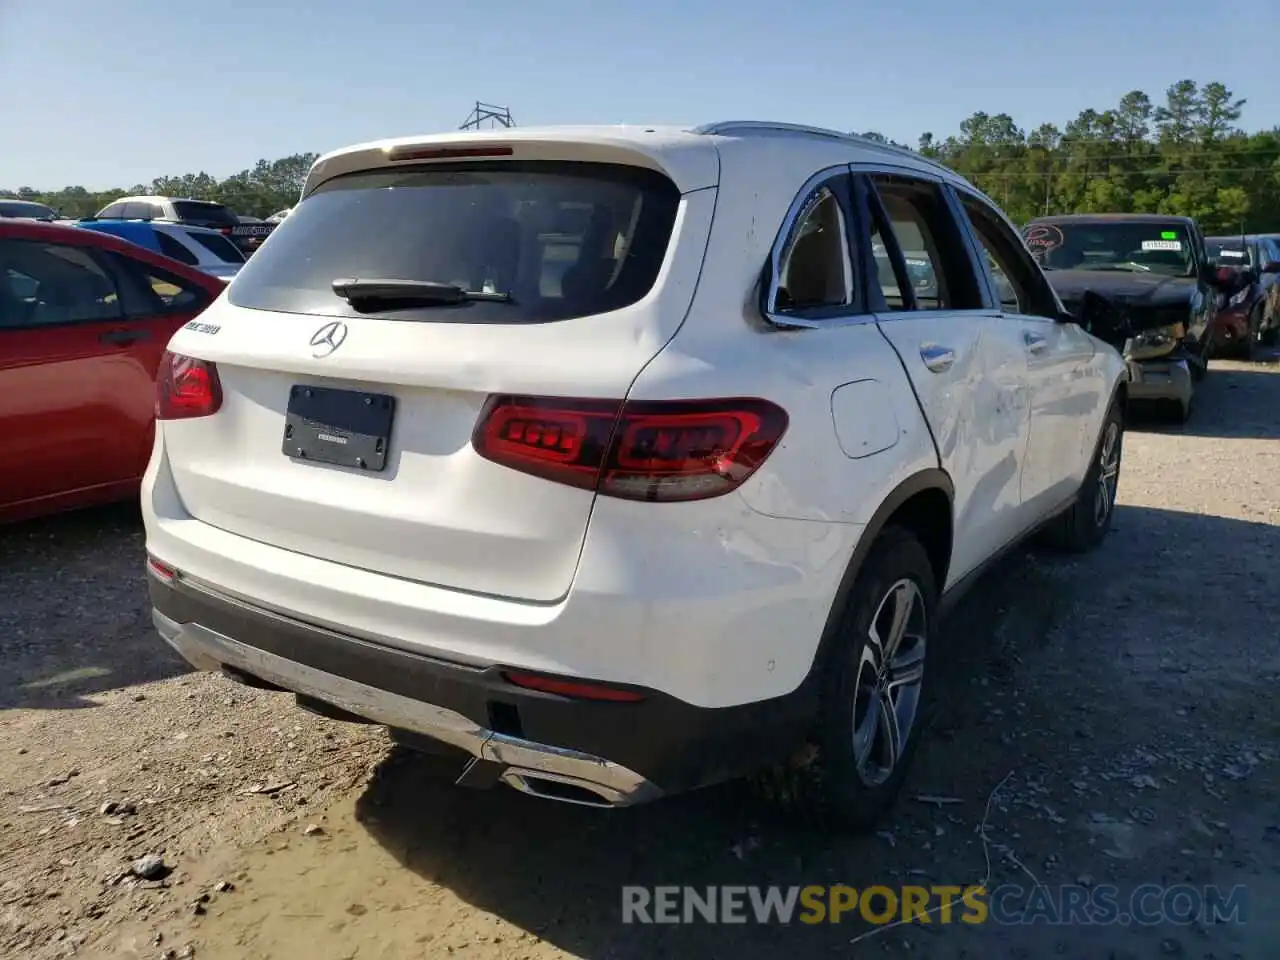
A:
(1156, 271)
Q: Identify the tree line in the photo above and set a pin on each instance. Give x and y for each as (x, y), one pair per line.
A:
(1185, 155)
(266, 188)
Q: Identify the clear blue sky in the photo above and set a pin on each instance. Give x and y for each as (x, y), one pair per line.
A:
(113, 92)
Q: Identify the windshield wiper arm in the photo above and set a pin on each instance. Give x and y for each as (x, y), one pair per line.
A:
(425, 292)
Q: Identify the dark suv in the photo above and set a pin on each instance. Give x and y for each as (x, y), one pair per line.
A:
(1156, 270)
(1251, 315)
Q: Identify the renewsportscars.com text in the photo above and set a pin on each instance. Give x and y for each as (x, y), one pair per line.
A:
(1067, 904)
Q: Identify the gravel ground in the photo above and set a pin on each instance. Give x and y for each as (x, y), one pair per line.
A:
(1112, 720)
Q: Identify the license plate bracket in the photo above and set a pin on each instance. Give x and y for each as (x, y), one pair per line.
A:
(347, 428)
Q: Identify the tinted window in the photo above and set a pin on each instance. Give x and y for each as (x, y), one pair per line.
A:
(563, 239)
(175, 250)
(1020, 286)
(44, 284)
(1227, 252)
(163, 291)
(933, 258)
(136, 211)
(26, 208)
(814, 271)
(114, 211)
(200, 212)
(219, 246)
(1114, 246)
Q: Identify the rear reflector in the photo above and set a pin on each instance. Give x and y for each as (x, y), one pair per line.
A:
(653, 450)
(446, 153)
(186, 388)
(158, 569)
(573, 688)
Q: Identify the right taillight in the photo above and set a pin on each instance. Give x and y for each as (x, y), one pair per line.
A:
(648, 450)
(186, 388)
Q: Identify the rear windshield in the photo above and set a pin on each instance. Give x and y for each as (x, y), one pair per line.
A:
(219, 246)
(562, 239)
(204, 212)
(1227, 253)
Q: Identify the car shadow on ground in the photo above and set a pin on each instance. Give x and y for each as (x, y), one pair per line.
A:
(1235, 401)
(1019, 702)
(75, 620)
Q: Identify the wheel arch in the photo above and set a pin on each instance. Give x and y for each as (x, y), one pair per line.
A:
(923, 504)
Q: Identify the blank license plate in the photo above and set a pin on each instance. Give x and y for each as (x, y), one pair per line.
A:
(343, 427)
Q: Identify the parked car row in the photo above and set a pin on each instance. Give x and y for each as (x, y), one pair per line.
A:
(248, 233)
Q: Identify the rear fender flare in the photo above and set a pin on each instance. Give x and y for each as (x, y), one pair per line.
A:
(929, 479)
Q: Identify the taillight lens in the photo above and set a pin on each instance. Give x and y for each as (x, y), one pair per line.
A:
(651, 450)
(186, 388)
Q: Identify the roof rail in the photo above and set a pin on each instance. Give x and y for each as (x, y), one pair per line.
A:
(731, 127)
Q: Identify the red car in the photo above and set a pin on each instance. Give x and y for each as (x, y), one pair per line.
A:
(84, 320)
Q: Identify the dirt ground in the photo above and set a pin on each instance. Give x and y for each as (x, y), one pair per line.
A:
(1112, 719)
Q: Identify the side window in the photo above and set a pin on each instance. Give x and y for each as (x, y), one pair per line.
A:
(137, 211)
(49, 284)
(155, 211)
(114, 211)
(157, 291)
(175, 250)
(814, 270)
(1020, 284)
(933, 260)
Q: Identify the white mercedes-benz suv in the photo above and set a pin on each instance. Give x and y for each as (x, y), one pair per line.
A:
(622, 460)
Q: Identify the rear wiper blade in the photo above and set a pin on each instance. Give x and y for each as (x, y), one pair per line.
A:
(356, 290)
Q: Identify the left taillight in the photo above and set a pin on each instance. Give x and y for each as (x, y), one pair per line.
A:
(186, 388)
(661, 450)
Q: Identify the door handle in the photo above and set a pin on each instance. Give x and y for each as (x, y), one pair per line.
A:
(122, 337)
(1035, 343)
(937, 358)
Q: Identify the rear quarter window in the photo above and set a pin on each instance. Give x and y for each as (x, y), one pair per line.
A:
(563, 239)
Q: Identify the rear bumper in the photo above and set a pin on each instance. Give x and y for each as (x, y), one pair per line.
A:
(600, 753)
(1161, 379)
(711, 604)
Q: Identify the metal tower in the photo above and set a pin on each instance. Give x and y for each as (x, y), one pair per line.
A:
(487, 113)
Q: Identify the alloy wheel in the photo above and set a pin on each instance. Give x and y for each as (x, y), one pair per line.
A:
(889, 680)
(1108, 474)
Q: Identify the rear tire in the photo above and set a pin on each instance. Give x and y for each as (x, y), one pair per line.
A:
(875, 688)
(1085, 525)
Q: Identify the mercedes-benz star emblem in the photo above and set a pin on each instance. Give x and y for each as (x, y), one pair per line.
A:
(328, 339)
